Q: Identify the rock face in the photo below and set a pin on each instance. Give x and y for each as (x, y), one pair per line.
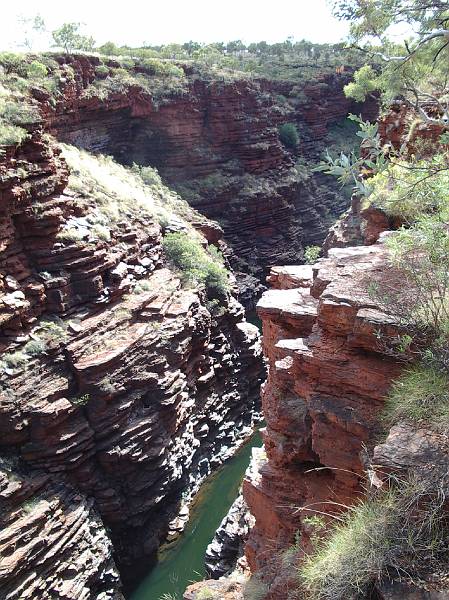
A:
(218, 142)
(227, 546)
(326, 383)
(120, 399)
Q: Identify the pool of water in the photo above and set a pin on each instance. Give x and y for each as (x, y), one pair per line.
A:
(183, 561)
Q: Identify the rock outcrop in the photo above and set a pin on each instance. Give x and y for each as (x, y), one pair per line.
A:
(327, 380)
(227, 546)
(121, 390)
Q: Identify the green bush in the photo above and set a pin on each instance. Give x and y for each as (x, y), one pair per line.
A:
(12, 62)
(36, 70)
(411, 189)
(102, 70)
(149, 175)
(11, 135)
(421, 393)
(196, 265)
(288, 135)
(311, 254)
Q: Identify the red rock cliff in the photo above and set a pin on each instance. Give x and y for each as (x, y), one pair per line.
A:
(117, 397)
(218, 142)
(326, 385)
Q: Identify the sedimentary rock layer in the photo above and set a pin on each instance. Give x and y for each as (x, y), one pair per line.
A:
(117, 397)
(327, 380)
(218, 141)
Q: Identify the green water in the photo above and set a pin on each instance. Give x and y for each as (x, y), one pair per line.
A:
(183, 562)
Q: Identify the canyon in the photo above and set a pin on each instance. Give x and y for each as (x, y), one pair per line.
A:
(217, 142)
(121, 388)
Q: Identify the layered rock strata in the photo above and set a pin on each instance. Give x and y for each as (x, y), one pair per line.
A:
(120, 388)
(327, 381)
(218, 142)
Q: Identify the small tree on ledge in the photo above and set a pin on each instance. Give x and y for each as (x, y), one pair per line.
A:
(69, 38)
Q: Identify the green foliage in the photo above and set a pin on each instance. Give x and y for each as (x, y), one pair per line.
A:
(71, 234)
(69, 38)
(365, 83)
(416, 69)
(149, 175)
(421, 254)
(288, 135)
(35, 347)
(102, 70)
(413, 188)
(297, 61)
(53, 331)
(420, 394)
(12, 62)
(36, 70)
(80, 400)
(142, 286)
(391, 530)
(196, 264)
(15, 360)
(10, 135)
(160, 80)
(101, 232)
(311, 254)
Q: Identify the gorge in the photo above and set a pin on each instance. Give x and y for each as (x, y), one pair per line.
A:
(147, 207)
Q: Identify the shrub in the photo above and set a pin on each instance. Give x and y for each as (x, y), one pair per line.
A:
(15, 360)
(142, 286)
(35, 347)
(288, 135)
(149, 175)
(411, 189)
(36, 70)
(71, 234)
(365, 83)
(53, 331)
(80, 400)
(196, 265)
(11, 135)
(421, 393)
(102, 70)
(18, 114)
(417, 290)
(12, 62)
(101, 232)
(311, 254)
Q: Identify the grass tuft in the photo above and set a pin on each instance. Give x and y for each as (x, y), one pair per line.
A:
(421, 393)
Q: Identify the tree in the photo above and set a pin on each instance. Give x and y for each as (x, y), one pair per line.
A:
(417, 70)
(109, 48)
(69, 38)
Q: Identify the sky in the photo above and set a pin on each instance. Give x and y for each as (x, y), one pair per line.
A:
(133, 22)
